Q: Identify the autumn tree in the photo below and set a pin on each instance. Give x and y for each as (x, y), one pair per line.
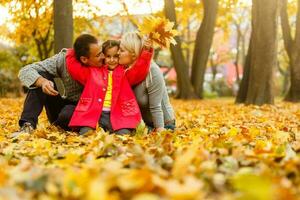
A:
(189, 14)
(34, 24)
(292, 47)
(184, 86)
(193, 87)
(257, 83)
(202, 45)
(63, 24)
(241, 26)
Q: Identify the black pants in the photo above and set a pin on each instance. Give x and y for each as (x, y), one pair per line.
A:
(59, 111)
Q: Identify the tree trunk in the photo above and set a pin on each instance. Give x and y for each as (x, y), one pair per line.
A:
(63, 24)
(243, 89)
(286, 76)
(263, 55)
(188, 38)
(243, 50)
(292, 47)
(237, 57)
(214, 74)
(184, 86)
(203, 44)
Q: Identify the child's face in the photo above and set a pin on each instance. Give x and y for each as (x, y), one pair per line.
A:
(112, 57)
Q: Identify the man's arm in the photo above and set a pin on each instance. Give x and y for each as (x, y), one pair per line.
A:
(30, 77)
(77, 71)
(30, 73)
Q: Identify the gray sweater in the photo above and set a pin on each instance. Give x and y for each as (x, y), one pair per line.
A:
(56, 66)
(153, 99)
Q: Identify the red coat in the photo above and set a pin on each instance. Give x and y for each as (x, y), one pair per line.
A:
(125, 111)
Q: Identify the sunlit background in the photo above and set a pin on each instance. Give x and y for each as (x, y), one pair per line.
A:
(109, 19)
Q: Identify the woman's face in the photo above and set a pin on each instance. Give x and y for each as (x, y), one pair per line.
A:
(126, 57)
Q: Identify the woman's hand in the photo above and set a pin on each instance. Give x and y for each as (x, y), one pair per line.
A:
(159, 129)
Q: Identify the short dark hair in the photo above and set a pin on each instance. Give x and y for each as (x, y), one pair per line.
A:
(109, 44)
(82, 45)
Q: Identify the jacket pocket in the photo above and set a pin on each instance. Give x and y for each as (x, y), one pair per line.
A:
(129, 107)
(84, 104)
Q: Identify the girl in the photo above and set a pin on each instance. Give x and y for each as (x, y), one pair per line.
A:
(107, 97)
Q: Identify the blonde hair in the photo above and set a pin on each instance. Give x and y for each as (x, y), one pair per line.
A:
(132, 42)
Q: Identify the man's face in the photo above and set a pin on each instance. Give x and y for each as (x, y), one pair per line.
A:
(95, 57)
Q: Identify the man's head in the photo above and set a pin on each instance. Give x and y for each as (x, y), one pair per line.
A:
(88, 51)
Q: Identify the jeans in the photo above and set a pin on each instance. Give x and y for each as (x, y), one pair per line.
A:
(168, 125)
(59, 111)
(105, 123)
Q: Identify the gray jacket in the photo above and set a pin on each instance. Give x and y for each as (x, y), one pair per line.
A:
(153, 99)
(56, 66)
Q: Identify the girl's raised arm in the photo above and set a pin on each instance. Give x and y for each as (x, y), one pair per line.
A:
(77, 71)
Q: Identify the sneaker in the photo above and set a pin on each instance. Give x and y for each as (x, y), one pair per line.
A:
(84, 130)
(26, 128)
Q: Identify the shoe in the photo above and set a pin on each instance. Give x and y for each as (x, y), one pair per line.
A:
(84, 130)
(26, 128)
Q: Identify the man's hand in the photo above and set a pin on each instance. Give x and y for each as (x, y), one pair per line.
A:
(46, 85)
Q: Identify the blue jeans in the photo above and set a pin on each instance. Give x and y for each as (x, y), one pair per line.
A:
(105, 123)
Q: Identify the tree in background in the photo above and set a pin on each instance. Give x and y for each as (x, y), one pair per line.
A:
(63, 24)
(34, 24)
(193, 86)
(184, 86)
(292, 47)
(203, 44)
(241, 12)
(257, 83)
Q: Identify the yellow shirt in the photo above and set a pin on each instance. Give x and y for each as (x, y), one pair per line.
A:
(108, 95)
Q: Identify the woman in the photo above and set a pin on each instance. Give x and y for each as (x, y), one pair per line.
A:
(151, 94)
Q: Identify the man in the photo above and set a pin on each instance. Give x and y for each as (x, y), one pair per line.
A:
(41, 79)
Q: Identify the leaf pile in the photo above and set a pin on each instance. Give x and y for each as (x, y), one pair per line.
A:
(219, 151)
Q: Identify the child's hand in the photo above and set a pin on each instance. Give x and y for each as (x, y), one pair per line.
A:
(148, 44)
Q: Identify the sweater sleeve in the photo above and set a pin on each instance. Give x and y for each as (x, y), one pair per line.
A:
(77, 71)
(138, 72)
(30, 73)
(155, 93)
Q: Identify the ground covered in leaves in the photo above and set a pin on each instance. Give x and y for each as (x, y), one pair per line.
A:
(219, 151)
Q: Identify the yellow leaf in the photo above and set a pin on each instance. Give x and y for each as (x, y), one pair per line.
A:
(135, 180)
(159, 30)
(190, 188)
(146, 196)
